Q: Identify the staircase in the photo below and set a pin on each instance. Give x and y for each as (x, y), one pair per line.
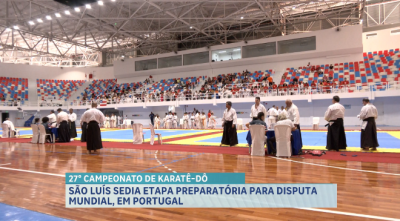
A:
(79, 92)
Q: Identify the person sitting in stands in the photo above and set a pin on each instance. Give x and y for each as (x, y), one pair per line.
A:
(331, 67)
(282, 120)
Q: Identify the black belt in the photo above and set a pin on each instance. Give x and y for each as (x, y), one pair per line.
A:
(255, 118)
(369, 118)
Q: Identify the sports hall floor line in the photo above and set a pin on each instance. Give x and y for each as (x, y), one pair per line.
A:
(174, 161)
(341, 168)
(350, 214)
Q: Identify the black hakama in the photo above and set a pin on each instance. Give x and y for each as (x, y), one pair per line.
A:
(63, 132)
(336, 139)
(83, 135)
(301, 140)
(72, 129)
(93, 136)
(369, 137)
(229, 136)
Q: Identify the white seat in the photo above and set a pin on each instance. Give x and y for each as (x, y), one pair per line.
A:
(315, 123)
(6, 131)
(138, 136)
(239, 124)
(35, 133)
(257, 140)
(153, 134)
(283, 144)
(42, 134)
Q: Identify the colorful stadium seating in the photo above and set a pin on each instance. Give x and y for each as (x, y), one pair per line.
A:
(61, 89)
(99, 87)
(165, 84)
(14, 88)
(377, 68)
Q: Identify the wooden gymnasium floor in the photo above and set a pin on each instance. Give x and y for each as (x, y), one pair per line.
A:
(32, 177)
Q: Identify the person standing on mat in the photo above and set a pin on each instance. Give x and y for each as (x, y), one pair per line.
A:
(293, 114)
(93, 117)
(336, 139)
(63, 128)
(71, 123)
(151, 115)
(83, 127)
(369, 138)
(257, 108)
(229, 119)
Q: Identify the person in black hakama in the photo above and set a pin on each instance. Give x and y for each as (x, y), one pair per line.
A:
(71, 123)
(369, 138)
(83, 127)
(336, 138)
(63, 127)
(93, 117)
(229, 136)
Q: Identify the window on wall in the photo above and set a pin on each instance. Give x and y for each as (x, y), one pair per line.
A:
(168, 62)
(297, 45)
(395, 32)
(146, 65)
(371, 35)
(226, 54)
(259, 50)
(196, 58)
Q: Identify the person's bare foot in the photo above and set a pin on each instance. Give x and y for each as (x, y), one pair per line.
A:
(373, 148)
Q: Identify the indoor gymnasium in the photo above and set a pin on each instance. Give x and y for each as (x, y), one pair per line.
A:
(287, 92)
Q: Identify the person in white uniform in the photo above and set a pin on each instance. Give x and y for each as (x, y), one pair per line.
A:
(293, 114)
(257, 108)
(203, 120)
(229, 121)
(11, 127)
(282, 120)
(185, 121)
(192, 121)
(169, 121)
(213, 121)
(157, 122)
(107, 122)
(52, 119)
(273, 115)
(113, 120)
(336, 139)
(63, 128)
(197, 120)
(71, 123)
(174, 121)
(93, 117)
(368, 114)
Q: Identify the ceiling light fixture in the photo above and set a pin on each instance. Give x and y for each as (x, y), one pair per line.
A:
(77, 9)
(31, 22)
(88, 6)
(48, 17)
(100, 3)
(16, 27)
(67, 12)
(39, 20)
(241, 17)
(191, 27)
(57, 15)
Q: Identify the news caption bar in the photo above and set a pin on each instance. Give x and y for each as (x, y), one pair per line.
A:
(190, 190)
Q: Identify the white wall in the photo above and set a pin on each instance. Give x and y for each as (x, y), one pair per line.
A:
(383, 41)
(329, 43)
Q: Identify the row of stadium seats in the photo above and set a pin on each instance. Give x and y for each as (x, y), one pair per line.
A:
(377, 68)
(253, 77)
(14, 88)
(60, 89)
(166, 84)
(99, 87)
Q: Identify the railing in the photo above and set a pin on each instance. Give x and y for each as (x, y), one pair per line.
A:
(254, 92)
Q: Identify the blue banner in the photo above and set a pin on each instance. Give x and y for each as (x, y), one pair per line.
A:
(201, 196)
